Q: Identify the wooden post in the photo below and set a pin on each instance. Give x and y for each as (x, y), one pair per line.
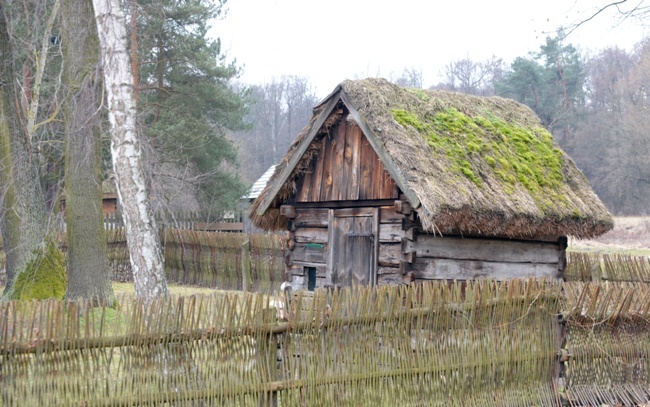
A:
(246, 265)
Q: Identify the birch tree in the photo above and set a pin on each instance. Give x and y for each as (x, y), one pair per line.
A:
(141, 233)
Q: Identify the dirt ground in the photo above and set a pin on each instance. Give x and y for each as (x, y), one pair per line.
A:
(631, 235)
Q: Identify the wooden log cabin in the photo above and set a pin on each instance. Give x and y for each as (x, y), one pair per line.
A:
(389, 185)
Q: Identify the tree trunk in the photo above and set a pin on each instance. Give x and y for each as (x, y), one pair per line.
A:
(141, 234)
(24, 223)
(87, 259)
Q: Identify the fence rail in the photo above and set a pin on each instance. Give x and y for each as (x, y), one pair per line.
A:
(521, 342)
(227, 221)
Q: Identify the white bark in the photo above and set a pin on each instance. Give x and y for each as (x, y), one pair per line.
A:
(141, 233)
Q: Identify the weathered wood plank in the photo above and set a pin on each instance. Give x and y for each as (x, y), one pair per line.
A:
(390, 254)
(388, 215)
(288, 211)
(306, 252)
(375, 248)
(311, 217)
(383, 156)
(329, 155)
(317, 175)
(446, 269)
(388, 270)
(390, 232)
(331, 242)
(321, 269)
(428, 246)
(360, 211)
(346, 204)
(341, 168)
(305, 183)
(390, 279)
(311, 235)
(366, 168)
(353, 138)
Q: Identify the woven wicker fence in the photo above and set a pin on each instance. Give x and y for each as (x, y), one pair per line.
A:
(519, 343)
(583, 266)
(212, 259)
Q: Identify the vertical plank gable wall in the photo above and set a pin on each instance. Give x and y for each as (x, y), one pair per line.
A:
(346, 169)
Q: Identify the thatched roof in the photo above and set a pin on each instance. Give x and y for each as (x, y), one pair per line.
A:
(468, 165)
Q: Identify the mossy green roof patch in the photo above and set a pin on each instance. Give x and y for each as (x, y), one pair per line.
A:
(480, 147)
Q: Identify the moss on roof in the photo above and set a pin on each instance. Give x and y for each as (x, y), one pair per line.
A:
(479, 166)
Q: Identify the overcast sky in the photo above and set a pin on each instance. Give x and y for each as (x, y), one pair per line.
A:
(330, 41)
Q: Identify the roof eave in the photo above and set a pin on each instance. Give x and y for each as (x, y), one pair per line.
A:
(300, 150)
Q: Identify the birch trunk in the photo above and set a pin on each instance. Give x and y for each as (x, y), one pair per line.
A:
(141, 233)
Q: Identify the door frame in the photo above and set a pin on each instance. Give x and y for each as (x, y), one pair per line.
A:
(353, 212)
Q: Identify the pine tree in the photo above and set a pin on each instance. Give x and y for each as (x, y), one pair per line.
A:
(551, 83)
(186, 102)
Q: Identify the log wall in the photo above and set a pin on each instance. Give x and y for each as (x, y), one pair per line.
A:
(405, 254)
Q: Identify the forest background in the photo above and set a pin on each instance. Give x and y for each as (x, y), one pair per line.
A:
(207, 136)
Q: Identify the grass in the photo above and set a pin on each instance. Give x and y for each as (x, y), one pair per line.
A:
(126, 290)
(630, 236)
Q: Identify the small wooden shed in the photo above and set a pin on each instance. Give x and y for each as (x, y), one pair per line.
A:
(389, 184)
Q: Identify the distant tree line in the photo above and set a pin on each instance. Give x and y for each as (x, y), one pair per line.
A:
(596, 106)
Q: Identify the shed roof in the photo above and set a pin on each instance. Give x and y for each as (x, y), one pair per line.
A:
(258, 186)
(467, 164)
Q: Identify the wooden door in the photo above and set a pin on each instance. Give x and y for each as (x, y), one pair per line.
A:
(353, 247)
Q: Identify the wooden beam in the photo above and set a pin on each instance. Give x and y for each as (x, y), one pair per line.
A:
(219, 226)
(297, 155)
(375, 230)
(388, 162)
(411, 233)
(428, 246)
(403, 207)
(330, 249)
(288, 211)
(405, 267)
(345, 204)
(447, 269)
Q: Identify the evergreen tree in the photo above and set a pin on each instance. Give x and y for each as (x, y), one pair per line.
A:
(185, 100)
(551, 82)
